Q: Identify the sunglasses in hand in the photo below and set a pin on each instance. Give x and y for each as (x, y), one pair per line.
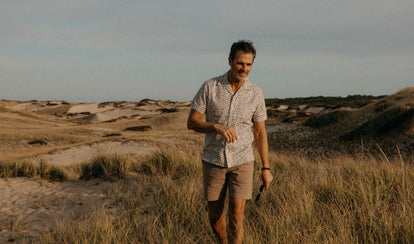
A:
(260, 192)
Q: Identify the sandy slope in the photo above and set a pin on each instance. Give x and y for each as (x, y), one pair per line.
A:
(29, 207)
(81, 154)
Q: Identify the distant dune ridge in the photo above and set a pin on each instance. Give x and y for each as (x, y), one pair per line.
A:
(375, 122)
(93, 112)
(35, 128)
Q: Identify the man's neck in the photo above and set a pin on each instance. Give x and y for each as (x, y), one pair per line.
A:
(234, 83)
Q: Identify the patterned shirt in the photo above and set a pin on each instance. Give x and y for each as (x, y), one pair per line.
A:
(221, 105)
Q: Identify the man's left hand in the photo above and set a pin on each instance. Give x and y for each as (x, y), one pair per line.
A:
(267, 178)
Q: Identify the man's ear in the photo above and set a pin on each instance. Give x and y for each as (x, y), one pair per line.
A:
(230, 61)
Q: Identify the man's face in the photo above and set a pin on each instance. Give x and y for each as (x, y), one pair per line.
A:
(241, 65)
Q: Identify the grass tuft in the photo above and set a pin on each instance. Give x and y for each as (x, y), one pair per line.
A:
(51, 173)
(165, 164)
(27, 169)
(106, 167)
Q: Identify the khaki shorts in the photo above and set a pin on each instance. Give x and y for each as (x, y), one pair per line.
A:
(239, 180)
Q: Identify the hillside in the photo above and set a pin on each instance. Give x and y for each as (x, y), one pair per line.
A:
(386, 123)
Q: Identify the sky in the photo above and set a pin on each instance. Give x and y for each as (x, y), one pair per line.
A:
(107, 50)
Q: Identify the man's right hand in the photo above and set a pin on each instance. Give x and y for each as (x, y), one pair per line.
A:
(228, 132)
(196, 123)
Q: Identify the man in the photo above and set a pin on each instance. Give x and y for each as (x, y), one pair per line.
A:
(232, 105)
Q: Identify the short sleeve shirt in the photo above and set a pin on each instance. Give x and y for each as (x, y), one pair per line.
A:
(239, 110)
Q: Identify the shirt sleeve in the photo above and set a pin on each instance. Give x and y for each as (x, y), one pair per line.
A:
(260, 113)
(200, 99)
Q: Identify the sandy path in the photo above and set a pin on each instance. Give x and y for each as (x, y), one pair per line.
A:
(84, 153)
(29, 207)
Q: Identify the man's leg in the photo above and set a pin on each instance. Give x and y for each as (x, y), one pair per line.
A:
(240, 189)
(236, 219)
(217, 218)
(215, 187)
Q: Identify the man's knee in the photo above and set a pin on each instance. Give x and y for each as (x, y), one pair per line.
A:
(236, 209)
(237, 216)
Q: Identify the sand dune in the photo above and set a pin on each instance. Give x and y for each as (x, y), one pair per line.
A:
(90, 108)
(29, 207)
(94, 112)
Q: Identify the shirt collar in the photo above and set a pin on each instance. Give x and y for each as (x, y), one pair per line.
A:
(225, 82)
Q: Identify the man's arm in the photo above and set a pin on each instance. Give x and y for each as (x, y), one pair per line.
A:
(260, 137)
(195, 122)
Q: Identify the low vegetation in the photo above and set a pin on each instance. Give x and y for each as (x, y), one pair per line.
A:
(352, 101)
(326, 119)
(397, 120)
(28, 169)
(106, 167)
(341, 200)
(345, 199)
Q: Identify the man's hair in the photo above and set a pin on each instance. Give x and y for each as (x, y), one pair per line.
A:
(242, 45)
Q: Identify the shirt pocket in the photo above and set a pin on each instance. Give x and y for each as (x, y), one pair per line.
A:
(245, 114)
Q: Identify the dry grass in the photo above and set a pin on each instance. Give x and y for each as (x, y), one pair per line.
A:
(341, 200)
(28, 169)
(107, 167)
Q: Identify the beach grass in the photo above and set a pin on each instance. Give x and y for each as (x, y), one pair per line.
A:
(28, 169)
(339, 200)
